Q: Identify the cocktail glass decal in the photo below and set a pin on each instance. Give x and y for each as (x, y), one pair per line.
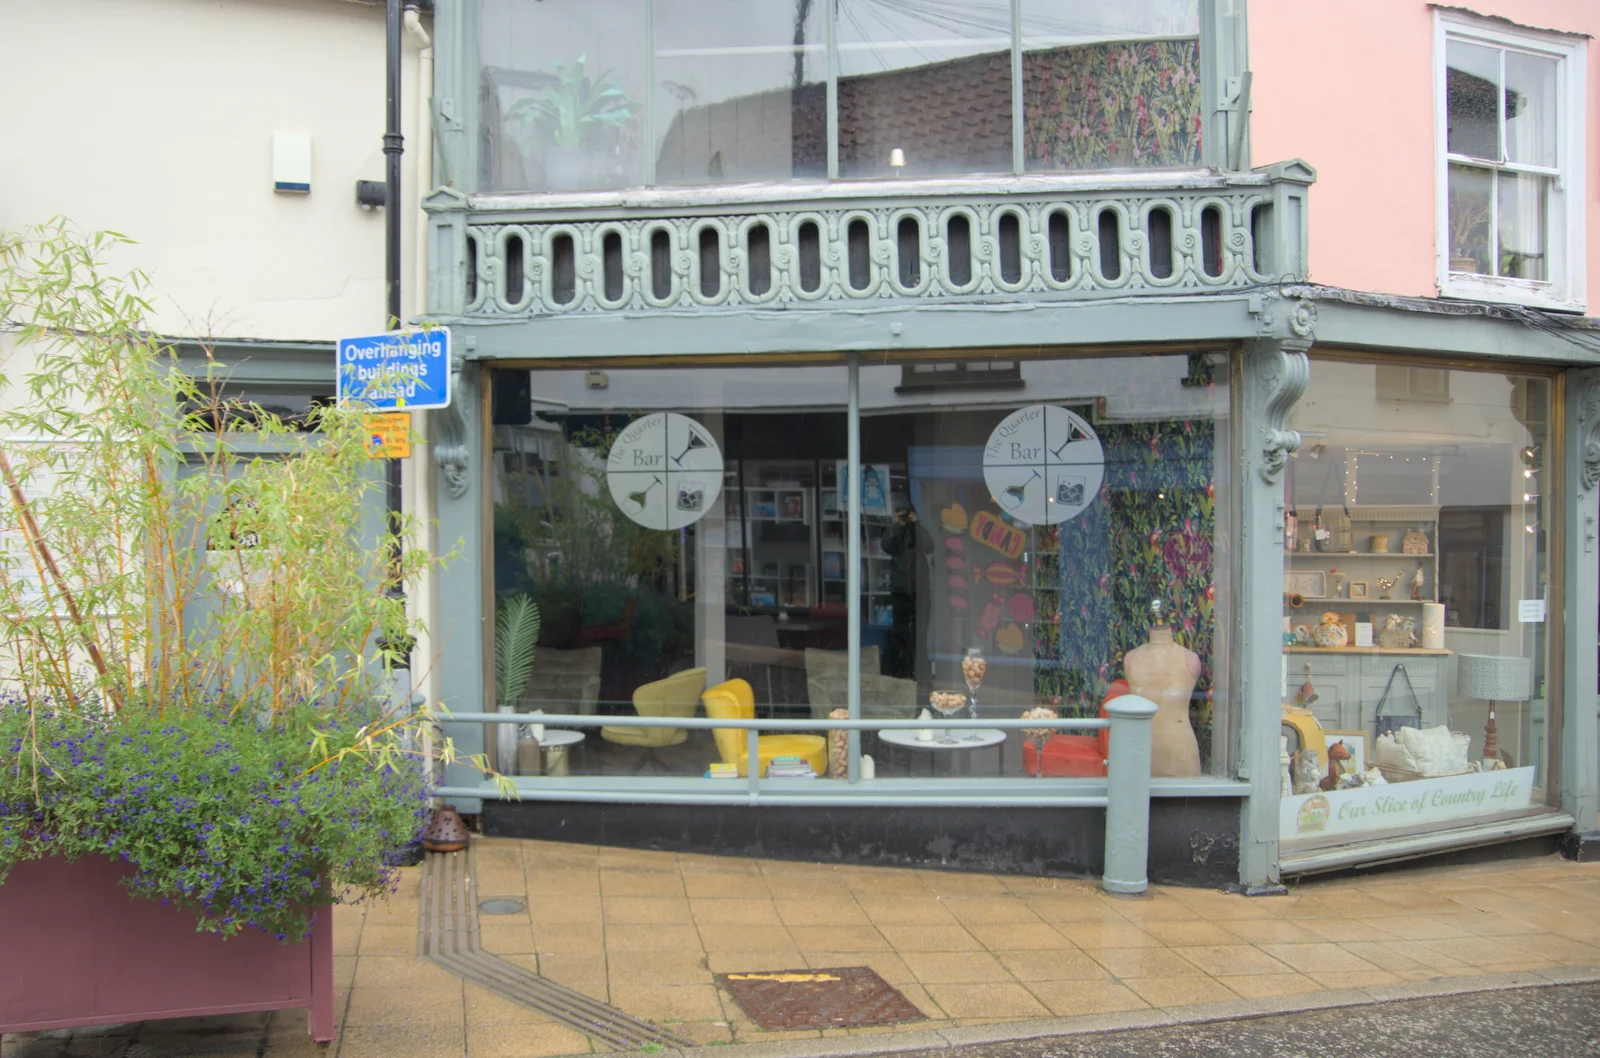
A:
(638, 498)
(1015, 494)
(1074, 433)
(694, 442)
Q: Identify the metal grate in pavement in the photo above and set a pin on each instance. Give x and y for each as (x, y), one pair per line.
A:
(447, 934)
(840, 998)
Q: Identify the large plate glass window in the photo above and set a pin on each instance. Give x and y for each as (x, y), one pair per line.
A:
(1416, 590)
(1055, 518)
(669, 525)
(602, 94)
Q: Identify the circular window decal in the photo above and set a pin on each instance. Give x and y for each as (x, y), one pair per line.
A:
(664, 470)
(1043, 464)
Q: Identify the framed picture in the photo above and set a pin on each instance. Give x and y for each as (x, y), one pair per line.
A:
(1313, 584)
(874, 487)
(1358, 589)
(1355, 742)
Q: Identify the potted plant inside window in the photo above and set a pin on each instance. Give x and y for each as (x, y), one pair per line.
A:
(575, 119)
(1469, 229)
(199, 757)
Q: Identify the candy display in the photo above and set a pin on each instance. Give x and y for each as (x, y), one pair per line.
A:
(989, 530)
(1039, 735)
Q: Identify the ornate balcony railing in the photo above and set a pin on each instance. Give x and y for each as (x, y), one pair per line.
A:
(881, 243)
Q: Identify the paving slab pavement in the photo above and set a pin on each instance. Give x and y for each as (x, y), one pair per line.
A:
(982, 956)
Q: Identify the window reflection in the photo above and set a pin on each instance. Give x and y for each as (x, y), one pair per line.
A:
(738, 89)
(685, 534)
(1414, 606)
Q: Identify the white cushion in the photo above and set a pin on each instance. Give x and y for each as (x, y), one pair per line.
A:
(1436, 750)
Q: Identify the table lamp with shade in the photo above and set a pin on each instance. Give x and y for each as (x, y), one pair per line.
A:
(1493, 678)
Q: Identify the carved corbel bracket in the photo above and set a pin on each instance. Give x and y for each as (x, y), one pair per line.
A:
(450, 452)
(1282, 373)
(1589, 424)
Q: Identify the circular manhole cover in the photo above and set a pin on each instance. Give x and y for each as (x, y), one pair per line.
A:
(502, 907)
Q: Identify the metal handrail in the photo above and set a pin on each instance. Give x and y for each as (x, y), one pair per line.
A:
(774, 724)
(1126, 800)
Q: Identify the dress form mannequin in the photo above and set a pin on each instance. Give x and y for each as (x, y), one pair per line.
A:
(1165, 672)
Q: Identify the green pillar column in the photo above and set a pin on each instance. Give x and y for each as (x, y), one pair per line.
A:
(1579, 754)
(1273, 373)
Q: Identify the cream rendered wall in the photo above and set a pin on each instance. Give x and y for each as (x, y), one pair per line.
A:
(155, 118)
(1348, 86)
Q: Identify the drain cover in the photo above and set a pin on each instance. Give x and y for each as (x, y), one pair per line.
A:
(818, 999)
(502, 907)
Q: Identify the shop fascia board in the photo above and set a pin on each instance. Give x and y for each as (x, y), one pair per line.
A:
(260, 362)
(1184, 322)
(1466, 332)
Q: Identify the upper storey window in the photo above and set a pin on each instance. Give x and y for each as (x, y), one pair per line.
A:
(1510, 171)
(596, 94)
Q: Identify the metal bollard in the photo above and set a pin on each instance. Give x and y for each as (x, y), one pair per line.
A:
(1128, 795)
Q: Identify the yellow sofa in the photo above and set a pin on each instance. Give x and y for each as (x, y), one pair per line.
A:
(677, 695)
(734, 700)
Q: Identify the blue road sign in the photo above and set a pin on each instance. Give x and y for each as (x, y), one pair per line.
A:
(398, 371)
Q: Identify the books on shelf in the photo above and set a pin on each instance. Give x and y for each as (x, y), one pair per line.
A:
(722, 771)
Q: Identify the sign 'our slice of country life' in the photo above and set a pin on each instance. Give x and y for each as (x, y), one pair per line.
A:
(395, 371)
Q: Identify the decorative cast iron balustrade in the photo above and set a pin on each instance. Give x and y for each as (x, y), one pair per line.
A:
(883, 244)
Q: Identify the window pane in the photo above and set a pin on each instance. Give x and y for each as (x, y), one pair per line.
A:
(932, 81)
(670, 526)
(1052, 505)
(1530, 109)
(1111, 84)
(1471, 211)
(741, 90)
(1522, 226)
(560, 94)
(1472, 87)
(1419, 509)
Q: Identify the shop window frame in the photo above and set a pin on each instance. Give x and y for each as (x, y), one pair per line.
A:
(1564, 236)
(1219, 769)
(1220, 38)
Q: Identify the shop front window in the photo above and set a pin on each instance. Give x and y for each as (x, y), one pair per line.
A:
(1042, 544)
(1415, 601)
(616, 93)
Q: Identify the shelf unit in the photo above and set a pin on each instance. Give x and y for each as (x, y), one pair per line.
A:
(1365, 565)
(876, 563)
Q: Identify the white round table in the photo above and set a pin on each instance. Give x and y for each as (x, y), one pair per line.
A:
(553, 747)
(961, 743)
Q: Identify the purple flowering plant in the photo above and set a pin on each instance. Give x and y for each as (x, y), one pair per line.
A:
(197, 621)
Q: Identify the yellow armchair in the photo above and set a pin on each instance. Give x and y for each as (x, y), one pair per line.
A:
(734, 700)
(677, 695)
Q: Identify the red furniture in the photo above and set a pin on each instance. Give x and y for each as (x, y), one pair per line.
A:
(1075, 756)
(82, 951)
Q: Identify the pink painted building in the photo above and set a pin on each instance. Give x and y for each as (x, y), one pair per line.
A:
(1385, 98)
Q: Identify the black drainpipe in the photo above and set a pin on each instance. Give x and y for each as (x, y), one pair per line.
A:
(393, 148)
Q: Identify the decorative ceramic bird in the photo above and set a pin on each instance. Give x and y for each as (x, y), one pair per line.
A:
(1307, 693)
(1416, 583)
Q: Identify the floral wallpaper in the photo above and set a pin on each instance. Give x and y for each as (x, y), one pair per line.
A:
(1124, 104)
(1149, 536)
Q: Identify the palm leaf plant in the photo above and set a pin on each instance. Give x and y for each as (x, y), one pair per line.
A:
(573, 105)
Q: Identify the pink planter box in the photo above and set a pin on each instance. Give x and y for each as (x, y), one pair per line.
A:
(82, 951)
